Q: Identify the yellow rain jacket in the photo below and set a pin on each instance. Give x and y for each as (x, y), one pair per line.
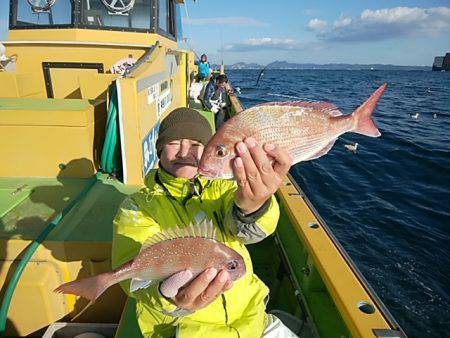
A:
(166, 202)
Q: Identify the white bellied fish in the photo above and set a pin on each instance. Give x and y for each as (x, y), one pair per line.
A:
(193, 248)
(307, 130)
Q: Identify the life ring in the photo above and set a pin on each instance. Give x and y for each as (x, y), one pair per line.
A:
(41, 6)
(119, 6)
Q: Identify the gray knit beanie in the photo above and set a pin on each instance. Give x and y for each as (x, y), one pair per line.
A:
(183, 123)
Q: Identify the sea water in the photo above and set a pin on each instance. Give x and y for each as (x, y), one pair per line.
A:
(388, 203)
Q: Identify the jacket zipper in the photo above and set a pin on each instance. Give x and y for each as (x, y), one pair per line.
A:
(224, 304)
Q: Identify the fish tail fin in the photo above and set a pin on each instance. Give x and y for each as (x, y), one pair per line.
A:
(90, 288)
(364, 123)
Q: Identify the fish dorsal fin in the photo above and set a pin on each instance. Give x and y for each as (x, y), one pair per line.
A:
(326, 107)
(204, 229)
(332, 110)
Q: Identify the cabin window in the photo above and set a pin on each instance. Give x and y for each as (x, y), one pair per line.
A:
(134, 15)
(163, 14)
(159, 16)
(172, 17)
(42, 13)
(167, 16)
(178, 24)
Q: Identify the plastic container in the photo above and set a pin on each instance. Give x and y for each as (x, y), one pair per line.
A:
(72, 330)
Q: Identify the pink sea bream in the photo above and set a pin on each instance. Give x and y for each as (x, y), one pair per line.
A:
(193, 248)
(307, 130)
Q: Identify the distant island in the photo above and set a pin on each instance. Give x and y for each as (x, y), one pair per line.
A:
(330, 66)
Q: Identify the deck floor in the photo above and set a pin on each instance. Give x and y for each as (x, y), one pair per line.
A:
(29, 204)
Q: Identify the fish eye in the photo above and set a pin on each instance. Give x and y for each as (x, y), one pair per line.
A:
(232, 265)
(221, 151)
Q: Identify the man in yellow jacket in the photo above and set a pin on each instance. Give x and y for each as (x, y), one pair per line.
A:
(243, 213)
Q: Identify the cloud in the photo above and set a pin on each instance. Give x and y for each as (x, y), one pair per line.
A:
(342, 22)
(265, 44)
(228, 21)
(388, 23)
(317, 25)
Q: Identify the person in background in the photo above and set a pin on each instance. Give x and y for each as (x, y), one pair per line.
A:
(216, 98)
(204, 68)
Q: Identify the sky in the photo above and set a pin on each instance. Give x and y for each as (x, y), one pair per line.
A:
(401, 32)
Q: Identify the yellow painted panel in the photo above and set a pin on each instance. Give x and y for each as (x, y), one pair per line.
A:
(19, 85)
(37, 143)
(88, 35)
(38, 117)
(147, 113)
(84, 259)
(31, 308)
(183, 81)
(95, 86)
(49, 112)
(65, 82)
(131, 140)
(342, 283)
(35, 305)
(34, 47)
(40, 151)
(165, 71)
(31, 57)
(28, 85)
(8, 85)
(41, 34)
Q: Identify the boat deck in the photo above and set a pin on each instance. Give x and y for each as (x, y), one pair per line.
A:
(308, 275)
(79, 246)
(28, 204)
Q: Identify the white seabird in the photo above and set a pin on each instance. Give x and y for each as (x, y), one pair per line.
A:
(351, 147)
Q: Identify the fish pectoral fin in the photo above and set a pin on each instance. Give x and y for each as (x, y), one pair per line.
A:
(137, 284)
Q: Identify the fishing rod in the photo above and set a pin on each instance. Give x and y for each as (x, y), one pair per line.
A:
(261, 74)
(190, 30)
(221, 44)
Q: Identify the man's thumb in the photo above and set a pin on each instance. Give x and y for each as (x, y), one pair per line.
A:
(170, 286)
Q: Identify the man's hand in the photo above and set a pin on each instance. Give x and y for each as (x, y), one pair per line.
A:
(200, 292)
(215, 106)
(257, 178)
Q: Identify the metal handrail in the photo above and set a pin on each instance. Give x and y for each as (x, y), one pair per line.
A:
(144, 58)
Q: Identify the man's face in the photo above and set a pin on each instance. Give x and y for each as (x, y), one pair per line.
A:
(222, 84)
(181, 158)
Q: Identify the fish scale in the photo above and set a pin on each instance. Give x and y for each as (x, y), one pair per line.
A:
(307, 130)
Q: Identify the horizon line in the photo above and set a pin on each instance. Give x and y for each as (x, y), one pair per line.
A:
(325, 64)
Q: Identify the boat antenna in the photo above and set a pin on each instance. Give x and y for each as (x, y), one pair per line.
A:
(261, 74)
(190, 30)
(192, 48)
(221, 44)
